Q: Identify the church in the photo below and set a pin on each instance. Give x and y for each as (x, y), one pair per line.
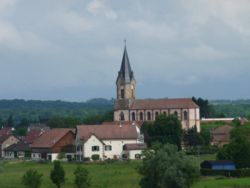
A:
(129, 108)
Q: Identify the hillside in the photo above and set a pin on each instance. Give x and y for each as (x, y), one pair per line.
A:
(36, 110)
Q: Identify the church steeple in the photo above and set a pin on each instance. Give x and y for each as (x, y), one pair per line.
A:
(125, 74)
(125, 81)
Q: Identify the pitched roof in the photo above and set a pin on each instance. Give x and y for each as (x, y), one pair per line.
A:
(142, 104)
(5, 137)
(20, 146)
(32, 135)
(125, 74)
(135, 146)
(5, 131)
(50, 138)
(107, 131)
(225, 129)
(221, 134)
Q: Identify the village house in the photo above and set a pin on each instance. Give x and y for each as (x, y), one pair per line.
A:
(19, 150)
(53, 142)
(6, 141)
(221, 135)
(109, 141)
(128, 108)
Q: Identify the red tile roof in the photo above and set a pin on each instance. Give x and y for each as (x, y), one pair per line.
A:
(221, 134)
(32, 136)
(50, 138)
(107, 131)
(142, 104)
(5, 131)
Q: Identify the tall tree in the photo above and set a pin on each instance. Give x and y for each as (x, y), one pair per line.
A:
(165, 129)
(205, 109)
(168, 168)
(192, 137)
(238, 149)
(57, 174)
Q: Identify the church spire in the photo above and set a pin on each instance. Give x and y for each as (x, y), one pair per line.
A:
(125, 81)
(125, 73)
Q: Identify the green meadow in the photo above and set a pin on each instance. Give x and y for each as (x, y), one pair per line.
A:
(109, 175)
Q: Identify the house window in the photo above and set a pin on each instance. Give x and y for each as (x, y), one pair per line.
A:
(156, 114)
(133, 116)
(141, 116)
(137, 156)
(122, 93)
(95, 148)
(124, 156)
(149, 116)
(185, 114)
(108, 148)
(122, 116)
(165, 113)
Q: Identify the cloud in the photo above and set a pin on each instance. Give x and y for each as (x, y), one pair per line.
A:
(7, 3)
(146, 30)
(99, 7)
(73, 22)
(12, 38)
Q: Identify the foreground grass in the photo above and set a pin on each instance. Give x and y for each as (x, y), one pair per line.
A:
(119, 174)
(115, 175)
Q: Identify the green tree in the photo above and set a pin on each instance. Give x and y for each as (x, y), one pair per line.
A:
(165, 129)
(238, 149)
(236, 122)
(168, 168)
(57, 174)
(206, 110)
(32, 179)
(192, 137)
(206, 136)
(81, 177)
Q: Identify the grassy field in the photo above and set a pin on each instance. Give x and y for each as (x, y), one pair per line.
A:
(115, 175)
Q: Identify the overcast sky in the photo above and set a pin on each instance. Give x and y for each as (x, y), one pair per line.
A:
(72, 49)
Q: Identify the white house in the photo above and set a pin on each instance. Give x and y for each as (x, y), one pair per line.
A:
(108, 141)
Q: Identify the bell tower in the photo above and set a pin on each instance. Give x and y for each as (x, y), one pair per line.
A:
(125, 82)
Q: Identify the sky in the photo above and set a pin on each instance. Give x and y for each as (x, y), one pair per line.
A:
(72, 49)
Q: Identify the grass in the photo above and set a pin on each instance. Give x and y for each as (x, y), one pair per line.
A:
(113, 175)
(119, 174)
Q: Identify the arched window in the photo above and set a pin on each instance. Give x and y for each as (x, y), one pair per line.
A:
(149, 116)
(185, 114)
(122, 116)
(156, 114)
(141, 116)
(122, 93)
(165, 113)
(133, 116)
(176, 113)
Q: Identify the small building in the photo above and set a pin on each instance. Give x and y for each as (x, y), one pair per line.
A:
(218, 165)
(19, 150)
(133, 151)
(108, 141)
(6, 141)
(53, 142)
(5, 131)
(221, 135)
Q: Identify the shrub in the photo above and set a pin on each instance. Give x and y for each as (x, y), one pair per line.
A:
(81, 177)
(32, 179)
(86, 159)
(95, 157)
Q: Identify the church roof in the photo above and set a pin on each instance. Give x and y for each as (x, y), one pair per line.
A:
(150, 104)
(162, 104)
(125, 74)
